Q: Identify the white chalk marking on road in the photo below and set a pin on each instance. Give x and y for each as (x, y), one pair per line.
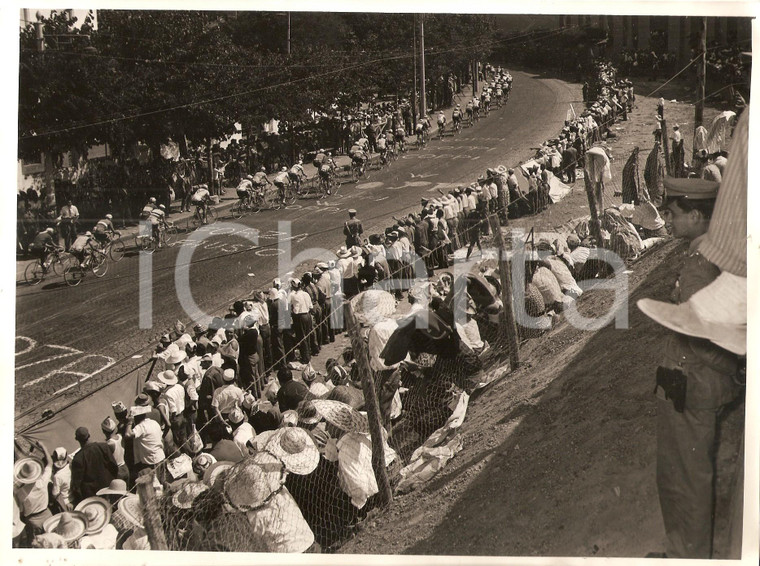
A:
(371, 185)
(442, 186)
(137, 356)
(30, 345)
(83, 376)
(380, 198)
(70, 352)
(423, 175)
(269, 252)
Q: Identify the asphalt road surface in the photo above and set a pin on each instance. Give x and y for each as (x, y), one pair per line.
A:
(103, 327)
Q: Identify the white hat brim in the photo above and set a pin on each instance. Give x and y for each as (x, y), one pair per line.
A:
(682, 319)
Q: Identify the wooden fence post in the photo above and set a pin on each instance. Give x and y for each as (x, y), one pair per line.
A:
(151, 514)
(507, 317)
(666, 147)
(371, 404)
(596, 225)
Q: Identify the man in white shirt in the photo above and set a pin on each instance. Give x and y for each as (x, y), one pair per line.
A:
(301, 308)
(61, 480)
(242, 431)
(173, 399)
(228, 396)
(148, 440)
(69, 218)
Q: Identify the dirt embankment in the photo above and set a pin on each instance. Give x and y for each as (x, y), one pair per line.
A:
(559, 456)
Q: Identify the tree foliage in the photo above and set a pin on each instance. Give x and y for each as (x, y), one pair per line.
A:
(190, 75)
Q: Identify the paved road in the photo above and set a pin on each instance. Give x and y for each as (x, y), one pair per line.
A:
(94, 332)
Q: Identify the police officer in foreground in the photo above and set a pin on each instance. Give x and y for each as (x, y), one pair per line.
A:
(696, 380)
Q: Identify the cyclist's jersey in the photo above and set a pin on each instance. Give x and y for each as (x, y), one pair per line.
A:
(400, 132)
(260, 178)
(355, 149)
(476, 104)
(419, 127)
(498, 91)
(320, 158)
(297, 170)
(200, 195)
(441, 119)
(456, 114)
(487, 98)
(469, 107)
(380, 143)
(326, 166)
(147, 209)
(245, 186)
(363, 142)
(80, 244)
(426, 123)
(103, 226)
(157, 216)
(282, 178)
(42, 241)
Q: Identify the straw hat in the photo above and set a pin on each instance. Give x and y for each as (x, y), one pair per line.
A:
(131, 509)
(307, 414)
(71, 525)
(646, 216)
(98, 513)
(717, 312)
(253, 481)
(341, 415)
(296, 449)
(60, 458)
(203, 462)
(176, 356)
(372, 305)
(343, 252)
(212, 472)
(185, 495)
(356, 251)
(27, 470)
(236, 416)
(167, 377)
(116, 487)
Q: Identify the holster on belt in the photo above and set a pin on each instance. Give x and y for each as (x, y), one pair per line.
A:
(673, 383)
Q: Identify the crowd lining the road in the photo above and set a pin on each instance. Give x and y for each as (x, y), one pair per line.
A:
(239, 400)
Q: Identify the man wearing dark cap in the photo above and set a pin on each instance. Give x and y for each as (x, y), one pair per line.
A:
(694, 381)
(92, 468)
(353, 230)
(291, 392)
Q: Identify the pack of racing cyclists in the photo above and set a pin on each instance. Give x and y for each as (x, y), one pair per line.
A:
(496, 91)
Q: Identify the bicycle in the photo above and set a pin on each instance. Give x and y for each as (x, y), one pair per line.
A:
(420, 141)
(359, 171)
(242, 207)
(287, 195)
(95, 261)
(328, 185)
(58, 259)
(197, 219)
(457, 127)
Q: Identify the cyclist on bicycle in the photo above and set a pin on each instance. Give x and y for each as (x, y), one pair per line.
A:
(201, 199)
(400, 136)
(148, 208)
(82, 246)
(498, 93)
(103, 229)
(326, 170)
(382, 148)
(421, 129)
(441, 122)
(456, 116)
(487, 100)
(363, 143)
(157, 220)
(281, 181)
(319, 158)
(468, 110)
(245, 190)
(42, 245)
(476, 108)
(358, 156)
(297, 173)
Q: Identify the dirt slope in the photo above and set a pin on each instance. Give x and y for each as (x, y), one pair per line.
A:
(559, 456)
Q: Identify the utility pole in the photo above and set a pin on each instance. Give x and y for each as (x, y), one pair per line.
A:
(414, 87)
(699, 107)
(474, 78)
(423, 97)
(39, 36)
(288, 34)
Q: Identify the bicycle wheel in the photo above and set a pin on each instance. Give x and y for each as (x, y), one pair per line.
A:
(196, 221)
(148, 244)
(34, 274)
(171, 232)
(290, 196)
(257, 204)
(60, 263)
(73, 275)
(99, 264)
(116, 250)
(211, 216)
(238, 209)
(271, 200)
